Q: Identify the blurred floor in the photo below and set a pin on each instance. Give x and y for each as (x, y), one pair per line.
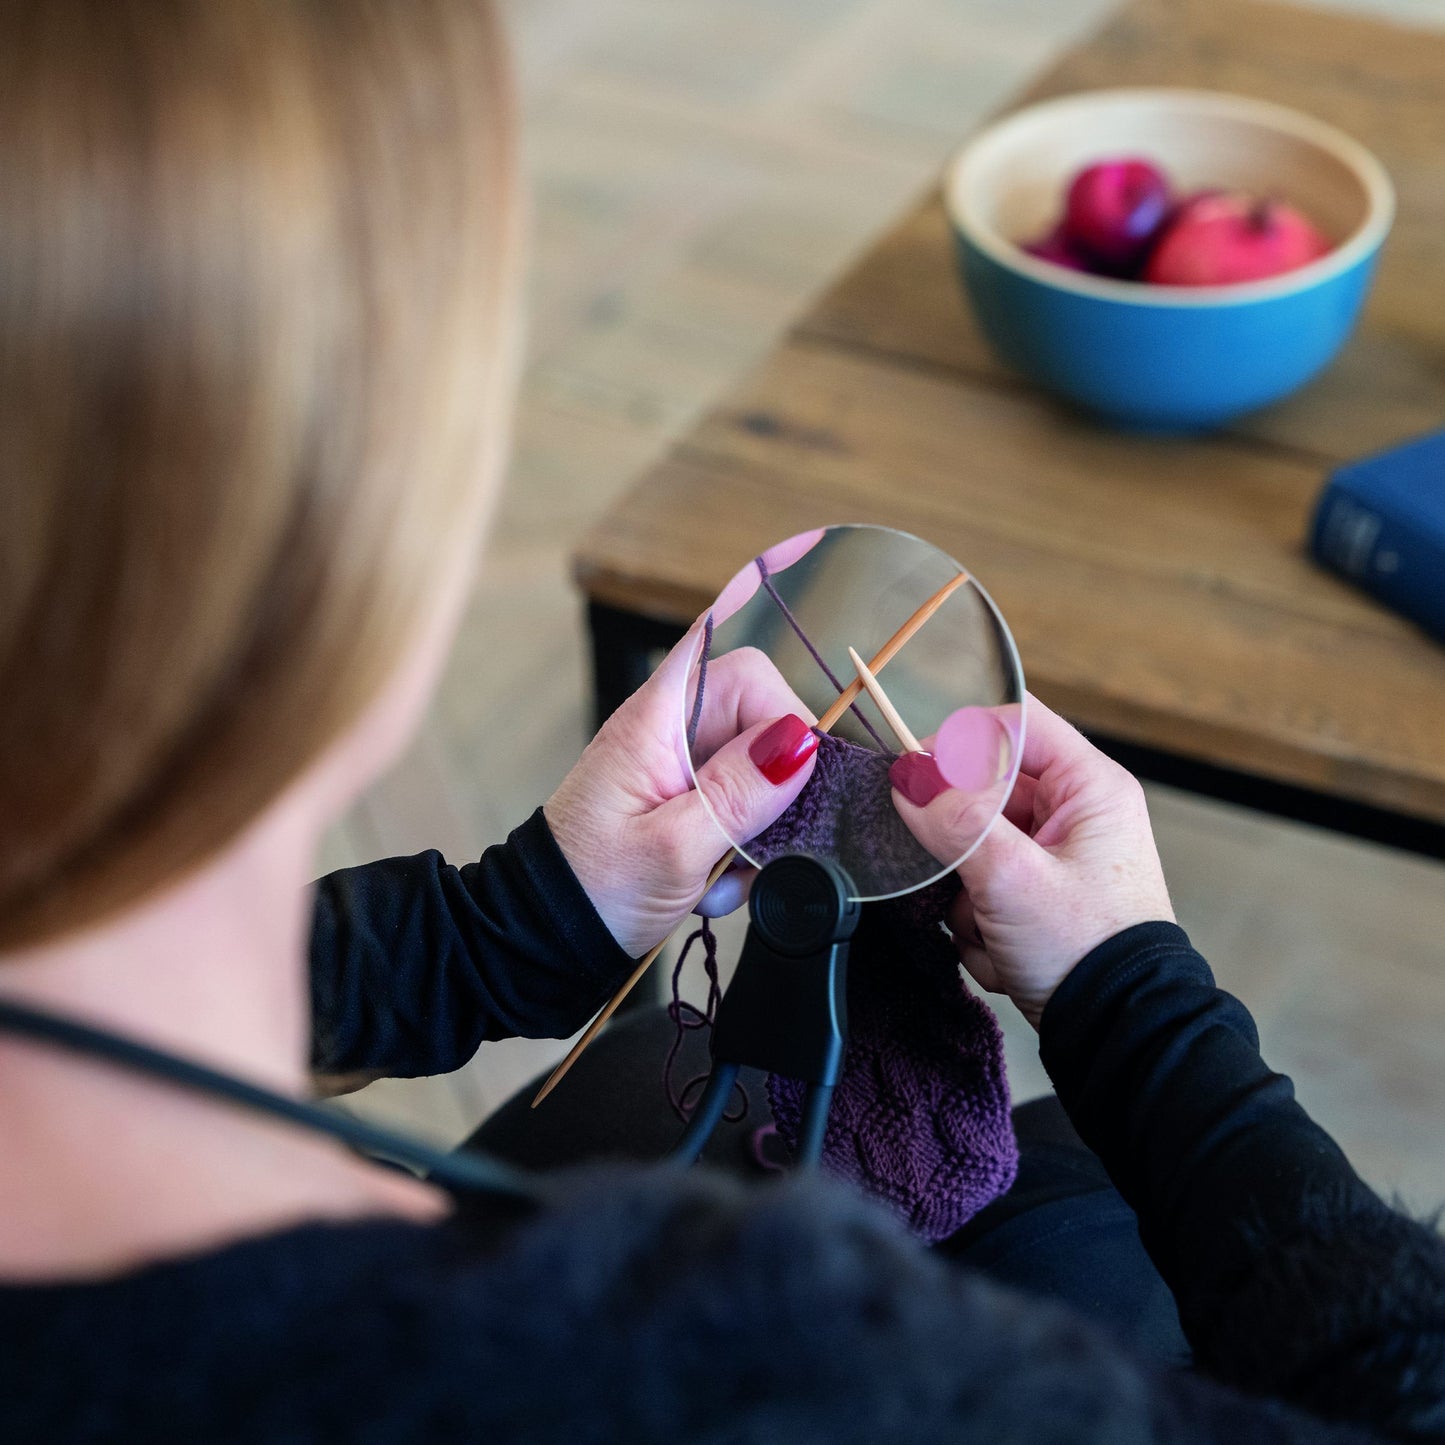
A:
(699, 170)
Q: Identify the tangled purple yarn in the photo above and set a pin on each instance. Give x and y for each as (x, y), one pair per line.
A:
(920, 1118)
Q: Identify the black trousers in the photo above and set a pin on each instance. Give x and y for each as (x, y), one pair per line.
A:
(1062, 1231)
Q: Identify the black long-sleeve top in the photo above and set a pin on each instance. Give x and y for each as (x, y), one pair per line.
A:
(416, 963)
(646, 1306)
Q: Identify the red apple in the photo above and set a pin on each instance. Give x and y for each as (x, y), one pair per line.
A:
(1222, 237)
(1055, 247)
(1114, 209)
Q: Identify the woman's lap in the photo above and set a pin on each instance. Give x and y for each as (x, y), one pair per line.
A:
(612, 1105)
(1062, 1231)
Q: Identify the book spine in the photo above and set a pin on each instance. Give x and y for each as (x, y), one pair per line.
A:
(1403, 566)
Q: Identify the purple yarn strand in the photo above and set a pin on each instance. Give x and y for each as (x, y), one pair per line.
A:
(687, 1017)
(766, 578)
(706, 652)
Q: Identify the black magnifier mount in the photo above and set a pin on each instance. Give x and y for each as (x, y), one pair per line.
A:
(786, 1009)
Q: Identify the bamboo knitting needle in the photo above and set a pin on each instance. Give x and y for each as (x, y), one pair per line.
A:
(890, 650)
(613, 1004)
(826, 723)
(890, 713)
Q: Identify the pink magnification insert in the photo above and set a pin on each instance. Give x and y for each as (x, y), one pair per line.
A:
(974, 748)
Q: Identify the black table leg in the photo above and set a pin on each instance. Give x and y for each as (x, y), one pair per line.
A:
(625, 650)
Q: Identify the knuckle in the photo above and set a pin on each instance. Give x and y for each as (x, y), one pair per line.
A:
(1006, 874)
(1127, 790)
(748, 672)
(671, 843)
(739, 665)
(1134, 799)
(731, 800)
(750, 659)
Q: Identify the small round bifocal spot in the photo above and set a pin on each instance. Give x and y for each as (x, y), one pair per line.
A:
(973, 748)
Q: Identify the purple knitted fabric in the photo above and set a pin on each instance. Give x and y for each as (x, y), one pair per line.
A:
(845, 812)
(920, 1118)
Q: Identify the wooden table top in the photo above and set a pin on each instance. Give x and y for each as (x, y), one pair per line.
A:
(1159, 590)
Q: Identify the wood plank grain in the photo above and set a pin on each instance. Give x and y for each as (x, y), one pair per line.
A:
(1162, 595)
(1207, 511)
(1381, 83)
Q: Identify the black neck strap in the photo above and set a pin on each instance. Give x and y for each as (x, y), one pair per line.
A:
(461, 1172)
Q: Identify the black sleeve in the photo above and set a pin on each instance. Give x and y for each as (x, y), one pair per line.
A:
(1293, 1279)
(414, 963)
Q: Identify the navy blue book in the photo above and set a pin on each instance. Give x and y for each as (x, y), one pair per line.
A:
(1381, 523)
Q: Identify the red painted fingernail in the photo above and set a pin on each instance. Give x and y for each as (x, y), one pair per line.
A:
(780, 750)
(916, 776)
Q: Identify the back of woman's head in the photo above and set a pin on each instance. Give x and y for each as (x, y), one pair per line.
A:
(254, 265)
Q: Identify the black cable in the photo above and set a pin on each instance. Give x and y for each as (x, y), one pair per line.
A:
(816, 1103)
(460, 1170)
(705, 1118)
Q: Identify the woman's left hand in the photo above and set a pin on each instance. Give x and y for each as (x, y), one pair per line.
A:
(630, 822)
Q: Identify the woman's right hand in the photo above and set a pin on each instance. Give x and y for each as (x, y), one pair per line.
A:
(1070, 863)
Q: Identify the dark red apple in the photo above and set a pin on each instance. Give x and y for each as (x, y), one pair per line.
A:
(1220, 237)
(1114, 209)
(1055, 247)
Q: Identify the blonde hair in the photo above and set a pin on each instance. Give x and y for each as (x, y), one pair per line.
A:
(255, 262)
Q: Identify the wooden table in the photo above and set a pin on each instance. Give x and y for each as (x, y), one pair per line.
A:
(1159, 590)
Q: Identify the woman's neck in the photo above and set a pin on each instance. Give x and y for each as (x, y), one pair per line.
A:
(212, 966)
(105, 1170)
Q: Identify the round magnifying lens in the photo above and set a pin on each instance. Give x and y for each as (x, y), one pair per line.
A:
(944, 659)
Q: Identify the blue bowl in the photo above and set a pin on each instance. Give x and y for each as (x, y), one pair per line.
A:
(1165, 358)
